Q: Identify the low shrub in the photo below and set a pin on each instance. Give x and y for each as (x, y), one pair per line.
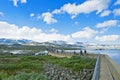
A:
(26, 76)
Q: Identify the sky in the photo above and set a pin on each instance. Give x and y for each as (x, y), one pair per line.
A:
(92, 21)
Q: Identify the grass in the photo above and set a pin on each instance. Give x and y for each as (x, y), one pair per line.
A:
(27, 76)
(21, 47)
(10, 66)
(77, 63)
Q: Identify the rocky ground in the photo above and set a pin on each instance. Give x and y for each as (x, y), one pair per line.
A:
(54, 72)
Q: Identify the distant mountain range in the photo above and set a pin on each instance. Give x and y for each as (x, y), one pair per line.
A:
(30, 42)
(58, 44)
(12, 41)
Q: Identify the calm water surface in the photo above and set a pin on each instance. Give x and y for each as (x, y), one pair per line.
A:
(114, 54)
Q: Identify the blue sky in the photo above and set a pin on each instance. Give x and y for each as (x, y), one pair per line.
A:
(94, 21)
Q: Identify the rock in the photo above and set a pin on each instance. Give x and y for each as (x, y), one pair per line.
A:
(54, 72)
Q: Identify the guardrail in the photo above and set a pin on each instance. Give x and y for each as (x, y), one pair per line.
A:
(96, 73)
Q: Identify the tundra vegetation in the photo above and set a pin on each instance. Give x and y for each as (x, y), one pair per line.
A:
(21, 67)
(31, 67)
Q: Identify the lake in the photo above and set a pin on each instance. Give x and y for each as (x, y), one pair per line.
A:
(114, 54)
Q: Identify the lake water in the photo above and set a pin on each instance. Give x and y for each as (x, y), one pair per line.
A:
(114, 54)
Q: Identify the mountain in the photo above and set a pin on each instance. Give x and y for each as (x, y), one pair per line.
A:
(66, 44)
(79, 43)
(30, 42)
(58, 42)
(13, 41)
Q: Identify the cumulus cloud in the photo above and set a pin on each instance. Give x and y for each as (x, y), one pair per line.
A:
(108, 23)
(105, 13)
(57, 11)
(23, 1)
(107, 38)
(48, 18)
(104, 30)
(12, 31)
(53, 30)
(32, 15)
(75, 9)
(85, 33)
(116, 12)
(117, 2)
(86, 7)
(15, 2)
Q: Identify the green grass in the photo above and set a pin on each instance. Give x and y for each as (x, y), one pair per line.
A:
(27, 76)
(77, 63)
(12, 65)
(21, 47)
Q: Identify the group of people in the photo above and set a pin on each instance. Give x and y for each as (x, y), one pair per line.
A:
(82, 52)
(55, 50)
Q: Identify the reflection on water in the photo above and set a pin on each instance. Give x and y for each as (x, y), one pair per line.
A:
(114, 54)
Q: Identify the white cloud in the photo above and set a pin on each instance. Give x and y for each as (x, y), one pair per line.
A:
(32, 15)
(48, 18)
(15, 2)
(104, 30)
(117, 2)
(56, 11)
(116, 12)
(105, 13)
(107, 38)
(53, 30)
(23, 1)
(75, 9)
(1, 14)
(86, 7)
(108, 23)
(12, 31)
(85, 33)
